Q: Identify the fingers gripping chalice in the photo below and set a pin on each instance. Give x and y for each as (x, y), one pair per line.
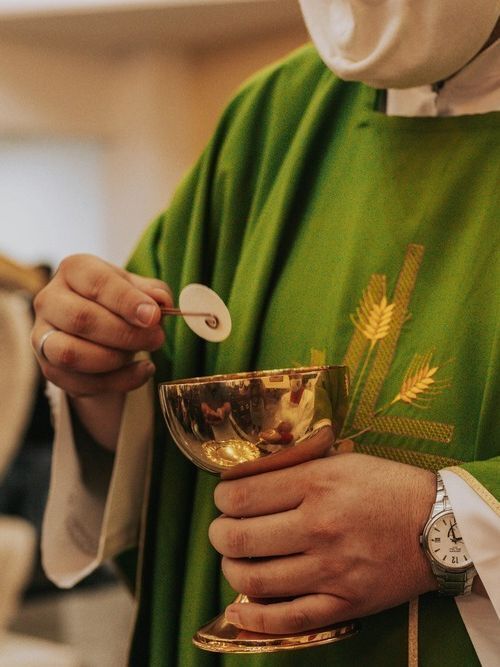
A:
(249, 423)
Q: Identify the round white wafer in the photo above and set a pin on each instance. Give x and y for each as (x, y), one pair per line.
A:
(197, 298)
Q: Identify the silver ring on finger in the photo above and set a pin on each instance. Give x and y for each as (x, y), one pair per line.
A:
(40, 348)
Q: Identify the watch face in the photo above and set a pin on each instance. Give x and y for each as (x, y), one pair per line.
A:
(446, 545)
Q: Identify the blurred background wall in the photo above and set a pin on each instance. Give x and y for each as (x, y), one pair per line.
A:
(102, 109)
(103, 106)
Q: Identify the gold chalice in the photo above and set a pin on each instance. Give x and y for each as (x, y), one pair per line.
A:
(247, 423)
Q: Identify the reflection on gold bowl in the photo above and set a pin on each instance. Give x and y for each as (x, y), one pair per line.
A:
(223, 420)
(228, 453)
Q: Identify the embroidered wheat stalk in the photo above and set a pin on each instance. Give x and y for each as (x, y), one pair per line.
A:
(420, 385)
(373, 319)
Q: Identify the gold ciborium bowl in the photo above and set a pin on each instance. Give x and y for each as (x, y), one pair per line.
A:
(259, 421)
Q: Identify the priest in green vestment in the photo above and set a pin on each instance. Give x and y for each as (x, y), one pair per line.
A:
(341, 223)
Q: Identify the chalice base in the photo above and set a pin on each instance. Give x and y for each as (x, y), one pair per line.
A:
(219, 636)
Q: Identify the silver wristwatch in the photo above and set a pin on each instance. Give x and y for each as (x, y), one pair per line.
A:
(445, 549)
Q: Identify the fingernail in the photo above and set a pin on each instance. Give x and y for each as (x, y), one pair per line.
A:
(145, 313)
(164, 296)
(232, 616)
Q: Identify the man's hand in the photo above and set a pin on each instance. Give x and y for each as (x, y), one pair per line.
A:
(102, 315)
(338, 535)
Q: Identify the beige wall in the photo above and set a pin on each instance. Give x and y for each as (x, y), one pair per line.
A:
(152, 110)
(45, 92)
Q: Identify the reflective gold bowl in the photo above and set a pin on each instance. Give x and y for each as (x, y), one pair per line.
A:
(224, 420)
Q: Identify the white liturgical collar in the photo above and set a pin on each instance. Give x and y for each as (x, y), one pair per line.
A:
(473, 90)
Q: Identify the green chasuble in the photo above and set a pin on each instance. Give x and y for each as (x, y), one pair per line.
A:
(335, 234)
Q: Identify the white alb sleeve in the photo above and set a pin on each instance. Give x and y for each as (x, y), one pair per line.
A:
(479, 523)
(94, 510)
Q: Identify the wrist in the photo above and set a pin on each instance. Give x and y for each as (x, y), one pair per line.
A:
(423, 503)
(100, 416)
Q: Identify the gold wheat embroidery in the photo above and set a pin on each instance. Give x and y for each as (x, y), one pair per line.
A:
(420, 385)
(380, 324)
(373, 318)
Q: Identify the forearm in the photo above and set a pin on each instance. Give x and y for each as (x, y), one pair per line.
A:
(101, 417)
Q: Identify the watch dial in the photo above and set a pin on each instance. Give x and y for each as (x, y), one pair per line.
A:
(446, 544)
